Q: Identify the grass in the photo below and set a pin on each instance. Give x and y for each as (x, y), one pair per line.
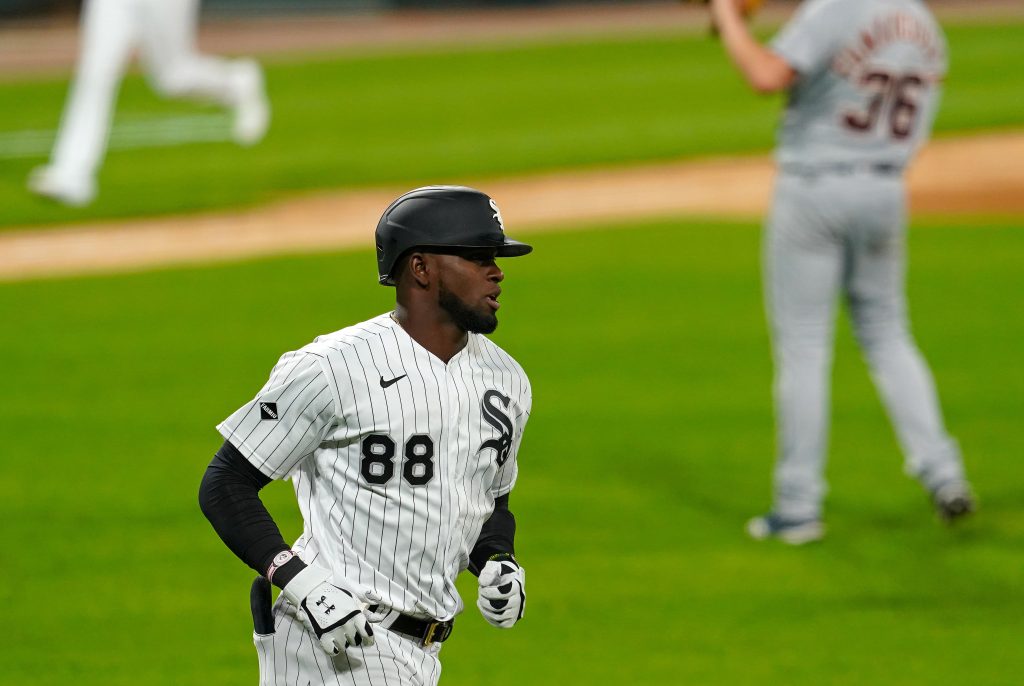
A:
(650, 444)
(457, 114)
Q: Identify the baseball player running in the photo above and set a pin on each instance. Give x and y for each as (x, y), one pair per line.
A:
(863, 80)
(400, 436)
(165, 31)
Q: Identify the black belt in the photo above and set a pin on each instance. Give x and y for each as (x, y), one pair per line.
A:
(427, 631)
(842, 168)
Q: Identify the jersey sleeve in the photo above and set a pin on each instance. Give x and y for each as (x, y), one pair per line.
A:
(506, 476)
(813, 35)
(287, 419)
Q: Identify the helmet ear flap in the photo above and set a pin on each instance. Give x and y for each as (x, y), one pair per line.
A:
(386, 250)
(395, 242)
(394, 271)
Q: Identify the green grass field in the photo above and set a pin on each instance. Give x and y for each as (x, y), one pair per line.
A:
(651, 439)
(650, 444)
(457, 114)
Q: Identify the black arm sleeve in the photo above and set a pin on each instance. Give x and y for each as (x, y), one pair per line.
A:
(229, 497)
(497, 536)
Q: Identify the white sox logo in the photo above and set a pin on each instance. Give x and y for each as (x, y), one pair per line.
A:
(501, 422)
(497, 215)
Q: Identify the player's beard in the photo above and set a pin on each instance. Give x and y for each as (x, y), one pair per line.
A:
(465, 317)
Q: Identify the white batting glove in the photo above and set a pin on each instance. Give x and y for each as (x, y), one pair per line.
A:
(335, 614)
(502, 595)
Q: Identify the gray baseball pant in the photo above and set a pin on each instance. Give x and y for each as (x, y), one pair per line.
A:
(831, 234)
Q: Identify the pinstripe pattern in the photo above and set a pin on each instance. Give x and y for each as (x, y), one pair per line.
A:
(404, 539)
(289, 657)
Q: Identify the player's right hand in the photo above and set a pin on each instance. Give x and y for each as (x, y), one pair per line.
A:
(335, 614)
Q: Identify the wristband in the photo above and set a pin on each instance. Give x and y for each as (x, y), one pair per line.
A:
(279, 561)
(500, 557)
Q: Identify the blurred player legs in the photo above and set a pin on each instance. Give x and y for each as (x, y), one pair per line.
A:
(165, 33)
(825, 238)
(863, 78)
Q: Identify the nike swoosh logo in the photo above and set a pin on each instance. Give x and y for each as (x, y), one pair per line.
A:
(385, 384)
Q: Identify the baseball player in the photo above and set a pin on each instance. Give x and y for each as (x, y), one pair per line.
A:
(400, 436)
(863, 80)
(165, 32)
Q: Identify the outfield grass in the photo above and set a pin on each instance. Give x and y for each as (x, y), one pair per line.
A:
(468, 113)
(649, 446)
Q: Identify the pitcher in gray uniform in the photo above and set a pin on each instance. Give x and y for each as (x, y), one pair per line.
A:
(863, 80)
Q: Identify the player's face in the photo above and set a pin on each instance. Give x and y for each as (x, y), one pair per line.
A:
(468, 288)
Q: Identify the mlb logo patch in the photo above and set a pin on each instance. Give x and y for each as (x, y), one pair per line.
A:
(268, 411)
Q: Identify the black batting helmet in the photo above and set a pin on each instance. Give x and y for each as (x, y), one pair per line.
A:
(441, 217)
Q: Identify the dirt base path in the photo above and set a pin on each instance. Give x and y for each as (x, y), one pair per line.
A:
(981, 174)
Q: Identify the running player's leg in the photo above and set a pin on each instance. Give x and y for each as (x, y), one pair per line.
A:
(875, 285)
(174, 67)
(177, 69)
(802, 268)
(107, 36)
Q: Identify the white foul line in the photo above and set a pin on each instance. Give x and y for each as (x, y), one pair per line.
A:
(132, 134)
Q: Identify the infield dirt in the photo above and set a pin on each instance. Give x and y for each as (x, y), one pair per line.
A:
(976, 175)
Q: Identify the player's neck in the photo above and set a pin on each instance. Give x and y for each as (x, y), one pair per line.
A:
(434, 330)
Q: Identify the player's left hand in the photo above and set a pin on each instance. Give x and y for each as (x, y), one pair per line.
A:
(502, 594)
(336, 615)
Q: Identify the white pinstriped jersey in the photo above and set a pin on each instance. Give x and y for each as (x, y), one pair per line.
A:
(396, 457)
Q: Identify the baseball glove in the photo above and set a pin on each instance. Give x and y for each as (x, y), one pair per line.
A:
(749, 8)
